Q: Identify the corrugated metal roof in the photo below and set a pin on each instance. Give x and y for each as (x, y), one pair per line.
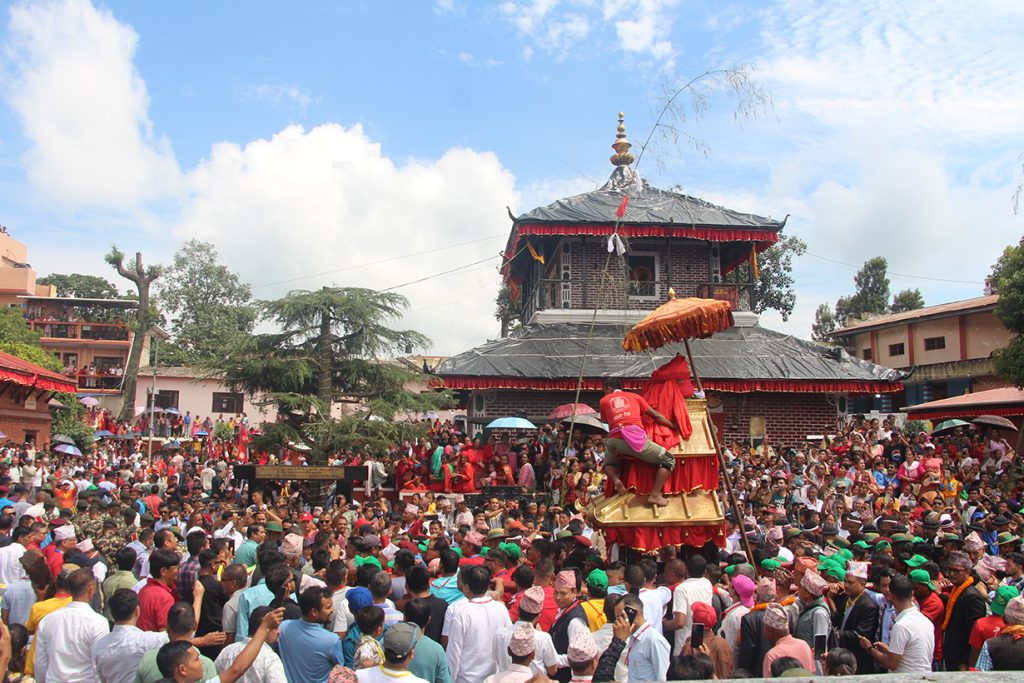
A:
(952, 308)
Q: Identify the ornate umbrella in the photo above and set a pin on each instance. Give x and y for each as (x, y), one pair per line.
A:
(591, 424)
(994, 421)
(570, 409)
(949, 426)
(61, 438)
(678, 320)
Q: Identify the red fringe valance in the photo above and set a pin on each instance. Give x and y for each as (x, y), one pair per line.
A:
(650, 539)
(963, 412)
(730, 385)
(37, 382)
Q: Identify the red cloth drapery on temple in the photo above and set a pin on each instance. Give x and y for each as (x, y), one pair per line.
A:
(666, 392)
(651, 538)
(689, 474)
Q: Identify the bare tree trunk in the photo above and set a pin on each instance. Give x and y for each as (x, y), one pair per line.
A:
(142, 280)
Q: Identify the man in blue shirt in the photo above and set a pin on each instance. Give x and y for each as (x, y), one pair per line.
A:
(308, 650)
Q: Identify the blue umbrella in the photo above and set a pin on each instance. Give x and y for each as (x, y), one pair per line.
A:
(102, 434)
(201, 433)
(511, 423)
(172, 411)
(67, 449)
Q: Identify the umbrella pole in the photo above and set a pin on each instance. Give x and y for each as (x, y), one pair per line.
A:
(737, 511)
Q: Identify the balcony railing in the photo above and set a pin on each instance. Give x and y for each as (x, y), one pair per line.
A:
(622, 293)
(737, 294)
(83, 331)
(97, 382)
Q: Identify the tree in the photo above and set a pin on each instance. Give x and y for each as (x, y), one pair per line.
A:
(907, 300)
(81, 286)
(773, 287)
(330, 349)
(505, 310)
(1008, 277)
(14, 329)
(824, 324)
(872, 295)
(145, 315)
(211, 308)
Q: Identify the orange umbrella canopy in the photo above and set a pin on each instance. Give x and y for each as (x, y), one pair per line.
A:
(679, 319)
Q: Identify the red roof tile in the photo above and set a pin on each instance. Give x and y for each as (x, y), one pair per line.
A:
(22, 372)
(954, 307)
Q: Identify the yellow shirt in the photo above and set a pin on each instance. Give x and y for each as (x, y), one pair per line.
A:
(40, 610)
(594, 609)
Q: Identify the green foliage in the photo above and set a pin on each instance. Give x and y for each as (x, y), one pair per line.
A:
(14, 329)
(33, 353)
(1008, 277)
(824, 324)
(872, 295)
(222, 431)
(907, 300)
(330, 348)
(211, 308)
(70, 421)
(912, 427)
(81, 286)
(773, 289)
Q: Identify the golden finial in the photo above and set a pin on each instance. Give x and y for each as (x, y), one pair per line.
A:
(622, 157)
(671, 293)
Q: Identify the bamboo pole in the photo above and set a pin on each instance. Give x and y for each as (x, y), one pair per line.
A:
(730, 491)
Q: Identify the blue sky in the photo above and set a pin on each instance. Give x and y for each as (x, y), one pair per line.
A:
(313, 138)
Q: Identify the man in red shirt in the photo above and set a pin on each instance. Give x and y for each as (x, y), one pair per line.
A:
(930, 604)
(624, 411)
(159, 593)
(990, 626)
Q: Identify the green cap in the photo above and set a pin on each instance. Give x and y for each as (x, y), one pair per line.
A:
(731, 569)
(883, 544)
(864, 545)
(916, 561)
(918, 539)
(791, 533)
(457, 550)
(598, 579)
(563, 534)
(770, 564)
(902, 538)
(921, 576)
(871, 537)
(833, 570)
(1006, 537)
(512, 550)
(369, 559)
(1003, 595)
(275, 526)
(423, 546)
(845, 554)
(484, 550)
(839, 542)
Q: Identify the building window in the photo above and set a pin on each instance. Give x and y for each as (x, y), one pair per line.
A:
(934, 343)
(866, 354)
(227, 402)
(643, 275)
(166, 399)
(897, 349)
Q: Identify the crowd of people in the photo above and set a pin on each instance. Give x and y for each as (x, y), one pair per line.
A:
(870, 552)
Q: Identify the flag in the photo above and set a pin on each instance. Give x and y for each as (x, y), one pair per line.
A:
(753, 261)
(621, 211)
(243, 443)
(533, 252)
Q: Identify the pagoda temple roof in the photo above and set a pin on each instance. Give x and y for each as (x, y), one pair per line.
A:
(648, 205)
(741, 359)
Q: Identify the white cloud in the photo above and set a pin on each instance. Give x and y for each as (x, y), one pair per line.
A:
(641, 27)
(83, 106)
(935, 69)
(444, 6)
(327, 199)
(279, 95)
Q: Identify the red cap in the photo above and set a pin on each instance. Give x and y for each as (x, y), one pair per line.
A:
(306, 517)
(704, 613)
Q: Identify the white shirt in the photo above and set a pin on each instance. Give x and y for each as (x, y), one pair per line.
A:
(513, 673)
(731, 629)
(471, 625)
(266, 669)
(913, 636)
(654, 600)
(379, 674)
(543, 656)
(648, 655)
(64, 643)
(343, 617)
(603, 638)
(683, 597)
(116, 655)
(10, 564)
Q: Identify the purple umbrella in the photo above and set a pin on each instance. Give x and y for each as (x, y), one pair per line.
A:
(67, 449)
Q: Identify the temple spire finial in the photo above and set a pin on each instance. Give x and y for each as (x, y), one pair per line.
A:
(622, 157)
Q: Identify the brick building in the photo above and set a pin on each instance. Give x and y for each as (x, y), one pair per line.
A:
(25, 392)
(576, 300)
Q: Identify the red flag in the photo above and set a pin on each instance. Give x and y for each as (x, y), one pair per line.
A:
(243, 442)
(621, 211)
